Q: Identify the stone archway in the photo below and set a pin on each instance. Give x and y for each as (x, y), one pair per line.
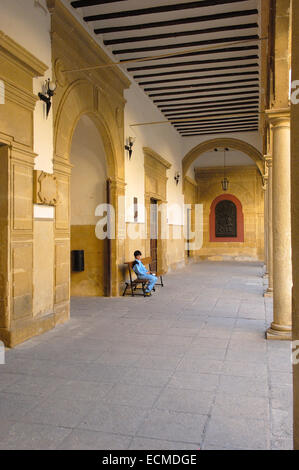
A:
(78, 99)
(235, 144)
(82, 98)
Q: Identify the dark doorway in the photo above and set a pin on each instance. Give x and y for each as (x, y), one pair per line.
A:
(225, 219)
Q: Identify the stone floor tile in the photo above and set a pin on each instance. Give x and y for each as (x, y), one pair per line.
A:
(141, 376)
(184, 400)
(13, 406)
(143, 396)
(142, 443)
(234, 385)
(59, 412)
(26, 436)
(236, 433)
(170, 425)
(80, 439)
(113, 418)
(205, 382)
(243, 406)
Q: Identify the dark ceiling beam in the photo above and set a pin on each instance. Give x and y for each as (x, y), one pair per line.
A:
(183, 45)
(198, 85)
(176, 22)
(212, 133)
(210, 121)
(171, 93)
(215, 121)
(203, 113)
(196, 77)
(229, 129)
(215, 95)
(215, 106)
(215, 115)
(203, 69)
(203, 128)
(224, 50)
(171, 107)
(159, 9)
(220, 124)
(90, 3)
(178, 34)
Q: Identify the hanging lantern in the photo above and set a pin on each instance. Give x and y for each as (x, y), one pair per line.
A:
(224, 182)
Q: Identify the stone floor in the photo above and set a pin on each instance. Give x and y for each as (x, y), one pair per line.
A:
(188, 368)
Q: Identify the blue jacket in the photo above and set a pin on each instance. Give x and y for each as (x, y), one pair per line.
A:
(139, 268)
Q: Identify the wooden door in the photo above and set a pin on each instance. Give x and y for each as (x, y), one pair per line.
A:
(154, 234)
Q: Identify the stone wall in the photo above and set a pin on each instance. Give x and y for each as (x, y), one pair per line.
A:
(245, 184)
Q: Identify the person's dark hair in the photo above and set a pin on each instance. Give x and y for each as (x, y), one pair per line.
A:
(137, 253)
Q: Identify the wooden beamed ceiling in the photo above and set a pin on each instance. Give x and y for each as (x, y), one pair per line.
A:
(211, 82)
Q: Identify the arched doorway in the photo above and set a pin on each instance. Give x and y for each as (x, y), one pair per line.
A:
(244, 169)
(88, 189)
(72, 101)
(226, 219)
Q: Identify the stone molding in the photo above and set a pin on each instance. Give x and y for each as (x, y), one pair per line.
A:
(149, 153)
(19, 55)
(279, 117)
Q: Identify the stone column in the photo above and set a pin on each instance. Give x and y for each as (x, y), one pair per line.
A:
(269, 291)
(265, 191)
(281, 326)
(295, 214)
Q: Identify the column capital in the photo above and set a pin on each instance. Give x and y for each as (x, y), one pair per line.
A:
(117, 183)
(279, 117)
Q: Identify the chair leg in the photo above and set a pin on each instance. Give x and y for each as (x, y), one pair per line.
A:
(132, 290)
(161, 279)
(125, 290)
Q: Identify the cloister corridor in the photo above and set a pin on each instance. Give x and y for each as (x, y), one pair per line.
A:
(188, 368)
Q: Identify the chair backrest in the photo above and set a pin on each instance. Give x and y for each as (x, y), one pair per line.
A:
(145, 261)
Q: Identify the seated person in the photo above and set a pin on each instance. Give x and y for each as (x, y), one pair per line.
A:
(143, 273)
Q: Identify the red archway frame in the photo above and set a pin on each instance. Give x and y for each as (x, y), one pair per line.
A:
(240, 220)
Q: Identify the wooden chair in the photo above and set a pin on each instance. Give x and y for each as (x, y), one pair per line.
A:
(134, 283)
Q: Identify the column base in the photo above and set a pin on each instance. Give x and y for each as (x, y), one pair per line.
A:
(279, 332)
(268, 292)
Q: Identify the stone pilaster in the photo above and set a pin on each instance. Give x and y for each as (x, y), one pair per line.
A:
(269, 218)
(281, 326)
(117, 243)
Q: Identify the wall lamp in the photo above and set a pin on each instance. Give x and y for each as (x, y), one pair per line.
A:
(50, 88)
(177, 177)
(129, 146)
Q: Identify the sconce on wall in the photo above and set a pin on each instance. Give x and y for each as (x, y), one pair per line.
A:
(49, 93)
(129, 146)
(177, 177)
